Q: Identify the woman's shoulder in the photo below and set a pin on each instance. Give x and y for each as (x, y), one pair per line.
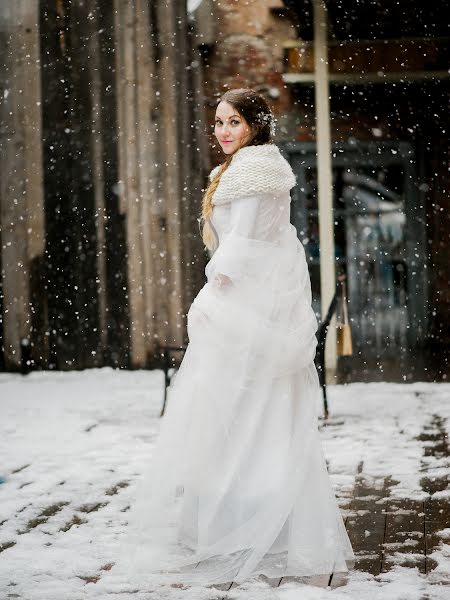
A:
(263, 168)
(255, 170)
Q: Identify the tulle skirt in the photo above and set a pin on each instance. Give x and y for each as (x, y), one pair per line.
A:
(237, 484)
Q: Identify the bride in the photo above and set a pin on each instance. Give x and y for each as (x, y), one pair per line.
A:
(237, 484)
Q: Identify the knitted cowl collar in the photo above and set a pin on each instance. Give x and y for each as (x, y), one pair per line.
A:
(253, 170)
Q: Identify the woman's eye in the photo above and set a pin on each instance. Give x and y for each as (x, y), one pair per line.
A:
(234, 121)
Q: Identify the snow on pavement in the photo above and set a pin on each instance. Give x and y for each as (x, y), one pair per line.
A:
(74, 444)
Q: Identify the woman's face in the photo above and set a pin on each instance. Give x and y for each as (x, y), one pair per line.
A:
(230, 129)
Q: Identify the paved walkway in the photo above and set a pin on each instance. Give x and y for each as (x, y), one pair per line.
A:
(388, 532)
(73, 446)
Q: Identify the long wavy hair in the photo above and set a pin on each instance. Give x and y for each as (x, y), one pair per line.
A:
(253, 107)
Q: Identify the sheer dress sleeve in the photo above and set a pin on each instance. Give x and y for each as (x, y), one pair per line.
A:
(232, 261)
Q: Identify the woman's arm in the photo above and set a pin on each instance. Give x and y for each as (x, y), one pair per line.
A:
(243, 216)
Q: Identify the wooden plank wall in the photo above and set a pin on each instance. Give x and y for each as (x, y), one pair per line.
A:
(107, 155)
(159, 171)
(21, 193)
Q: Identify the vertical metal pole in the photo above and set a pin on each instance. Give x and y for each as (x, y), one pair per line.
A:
(324, 177)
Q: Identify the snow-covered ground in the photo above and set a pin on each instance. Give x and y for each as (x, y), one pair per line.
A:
(73, 446)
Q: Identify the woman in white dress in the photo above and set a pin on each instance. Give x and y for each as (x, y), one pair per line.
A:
(237, 484)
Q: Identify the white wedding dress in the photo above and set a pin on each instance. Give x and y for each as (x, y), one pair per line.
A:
(237, 484)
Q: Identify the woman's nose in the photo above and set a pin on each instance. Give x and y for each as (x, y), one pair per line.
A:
(226, 130)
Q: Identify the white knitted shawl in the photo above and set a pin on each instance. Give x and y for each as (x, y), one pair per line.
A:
(253, 170)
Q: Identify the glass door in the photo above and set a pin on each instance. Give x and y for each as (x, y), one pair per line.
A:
(379, 240)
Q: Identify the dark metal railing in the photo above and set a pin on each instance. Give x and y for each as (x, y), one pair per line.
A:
(321, 342)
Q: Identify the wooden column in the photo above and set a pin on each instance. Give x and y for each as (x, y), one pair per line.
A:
(127, 124)
(149, 171)
(170, 158)
(116, 317)
(186, 145)
(324, 176)
(93, 26)
(155, 169)
(21, 194)
(149, 231)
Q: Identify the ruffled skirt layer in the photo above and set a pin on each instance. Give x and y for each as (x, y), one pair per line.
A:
(237, 484)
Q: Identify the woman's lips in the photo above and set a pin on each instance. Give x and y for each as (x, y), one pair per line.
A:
(226, 141)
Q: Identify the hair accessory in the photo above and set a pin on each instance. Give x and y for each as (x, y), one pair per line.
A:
(269, 119)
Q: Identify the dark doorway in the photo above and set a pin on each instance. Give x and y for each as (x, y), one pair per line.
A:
(380, 242)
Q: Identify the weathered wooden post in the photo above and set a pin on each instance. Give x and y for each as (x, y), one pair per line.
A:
(21, 192)
(170, 156)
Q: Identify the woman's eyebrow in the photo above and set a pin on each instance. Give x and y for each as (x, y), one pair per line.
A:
(228, 117)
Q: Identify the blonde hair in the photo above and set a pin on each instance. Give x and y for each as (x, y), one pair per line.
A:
(208, 236)
(253, 107)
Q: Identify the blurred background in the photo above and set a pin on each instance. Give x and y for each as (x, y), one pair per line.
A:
(106, 123)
